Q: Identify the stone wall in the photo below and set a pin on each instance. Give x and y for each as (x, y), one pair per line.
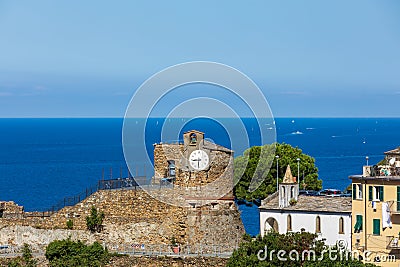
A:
(131, 217)
(167, 261)
(9, 209)
(148, 262)
(163, 153)
(15, 236)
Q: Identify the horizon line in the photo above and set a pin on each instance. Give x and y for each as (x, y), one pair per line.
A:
(276, 117)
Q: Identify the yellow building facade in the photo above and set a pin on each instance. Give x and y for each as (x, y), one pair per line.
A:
(376, 212)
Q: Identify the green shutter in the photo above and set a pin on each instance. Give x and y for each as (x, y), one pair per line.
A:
(398, 198)
(381, 193)
(358, 225)
(354, 191)
(370, 193)
(377, 227)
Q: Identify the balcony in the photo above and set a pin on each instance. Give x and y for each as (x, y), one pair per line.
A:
(392, 242)
(394, 207)
(381, 171)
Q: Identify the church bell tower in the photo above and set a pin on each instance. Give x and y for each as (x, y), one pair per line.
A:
(288, 189)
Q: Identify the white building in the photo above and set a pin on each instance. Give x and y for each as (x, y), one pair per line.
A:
(286, 211)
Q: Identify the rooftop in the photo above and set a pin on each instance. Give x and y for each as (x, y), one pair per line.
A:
(213, 146)
(311, 203)
(393, 151)
(376, 178)
(206, 145)
(289, 178)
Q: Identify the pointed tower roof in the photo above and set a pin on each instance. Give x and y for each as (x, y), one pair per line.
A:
(288, 178)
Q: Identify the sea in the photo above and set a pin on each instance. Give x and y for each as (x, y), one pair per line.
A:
(44, 160)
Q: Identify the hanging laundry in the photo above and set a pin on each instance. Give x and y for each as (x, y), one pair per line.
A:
(386, 222)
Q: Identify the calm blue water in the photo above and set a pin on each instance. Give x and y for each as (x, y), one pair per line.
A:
(43, 160)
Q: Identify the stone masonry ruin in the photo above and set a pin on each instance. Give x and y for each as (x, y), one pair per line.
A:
(132, 216)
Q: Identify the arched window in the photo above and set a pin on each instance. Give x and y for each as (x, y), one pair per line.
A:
(341, 225)
(289, 223)
(318, 225)
(283, 191)
(292, 192)
(193, 138)
(271, 225)
(171, 168)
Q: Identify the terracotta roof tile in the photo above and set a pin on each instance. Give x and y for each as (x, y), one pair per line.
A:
(311, 203)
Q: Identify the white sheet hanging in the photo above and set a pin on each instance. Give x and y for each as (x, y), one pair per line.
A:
(386, 222)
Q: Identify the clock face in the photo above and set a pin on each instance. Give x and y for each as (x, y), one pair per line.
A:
(198, 160)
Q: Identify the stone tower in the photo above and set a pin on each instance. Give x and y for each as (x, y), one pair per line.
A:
(288, 189)
(195, 163)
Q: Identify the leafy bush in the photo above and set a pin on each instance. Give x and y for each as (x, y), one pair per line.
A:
(95, 220)
(70, 224)
(252, 253)
(292, 202)
(69, 253)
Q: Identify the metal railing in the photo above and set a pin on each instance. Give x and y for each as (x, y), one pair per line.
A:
(392, 242)
(394, 206)
(111, 184)
(167, 250)
(382, 170)
(130, 183)
(199, 250)
(9, 251)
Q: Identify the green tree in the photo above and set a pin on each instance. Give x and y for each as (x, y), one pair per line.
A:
(259, 159)
(69, 253)
(95, 220)
(253, 253)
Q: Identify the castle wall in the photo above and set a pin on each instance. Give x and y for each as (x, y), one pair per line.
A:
(169, 261)
(131, 217)
(154, 261)
(10, 209)
(163, 153)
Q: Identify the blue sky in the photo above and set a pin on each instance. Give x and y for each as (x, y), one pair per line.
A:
(310, 58)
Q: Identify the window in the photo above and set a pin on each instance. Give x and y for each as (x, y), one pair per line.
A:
(379, 193)
(398, 198)
(359, 223)
(193, 138)
(171, 168)
(289, 223)
(341, 225)
(376, 227)
(357, 191)
(375, 193)
(370, 189)
(318, 225)
(292, 192)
